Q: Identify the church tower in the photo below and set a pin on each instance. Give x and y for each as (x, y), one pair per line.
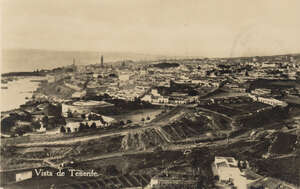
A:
(102, 63)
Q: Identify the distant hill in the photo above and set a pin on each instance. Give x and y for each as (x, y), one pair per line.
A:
(166, 65)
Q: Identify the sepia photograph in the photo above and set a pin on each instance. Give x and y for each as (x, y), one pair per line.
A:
(150, 94)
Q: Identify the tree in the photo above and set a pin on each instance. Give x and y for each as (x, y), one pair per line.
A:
(45, 120)
(83, 116)
(100, 118)
(8, 150)
(7, 123)
(112, 170)
(87, 125)
(122, 123)
(81, 127)
(106, 95)
(93, 126)
(246, 73)
(158, 149)
(19, 131)
(192, 93)
(143, 119)
(113, 75)
(148, 118)
(90, 117)
(70, 115)
(129, 121)
(62, 129)
(36, 125)
(137, 100)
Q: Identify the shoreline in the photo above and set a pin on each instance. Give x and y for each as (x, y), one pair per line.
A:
(18, 92)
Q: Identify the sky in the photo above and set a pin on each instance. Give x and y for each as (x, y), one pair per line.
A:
(204, 28)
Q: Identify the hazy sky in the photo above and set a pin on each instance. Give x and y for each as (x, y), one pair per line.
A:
(173, 27)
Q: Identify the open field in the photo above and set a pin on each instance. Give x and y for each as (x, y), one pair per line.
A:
(221, 93)
(248, 107)
(265, 118)
(274, 84)
(137, 115)
(223, 109)
(286, 169)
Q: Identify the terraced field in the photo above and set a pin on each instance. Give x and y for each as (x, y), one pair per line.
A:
(236, 109)
(141, 140)
(191, 124)
(113, 182)
(194, 125)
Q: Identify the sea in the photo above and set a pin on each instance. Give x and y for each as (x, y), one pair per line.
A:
(16, 92)
(27, 60)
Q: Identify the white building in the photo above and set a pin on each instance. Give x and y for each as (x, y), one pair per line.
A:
(155, 92)
(163, 100)
(124, 77)
(157, 182)
(42, 128)
(228, 171)
(268, 65)
(23, 176)
(79, 94)
(261, 91)
(271, 101)
(147, 98)
(73, 126)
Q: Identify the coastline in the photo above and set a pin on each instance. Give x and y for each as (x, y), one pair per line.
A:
(18, 91)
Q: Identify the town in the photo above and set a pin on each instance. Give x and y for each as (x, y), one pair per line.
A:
(166, 123)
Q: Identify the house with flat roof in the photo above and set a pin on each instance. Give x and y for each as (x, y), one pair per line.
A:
(23, 176)
(228, 172)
